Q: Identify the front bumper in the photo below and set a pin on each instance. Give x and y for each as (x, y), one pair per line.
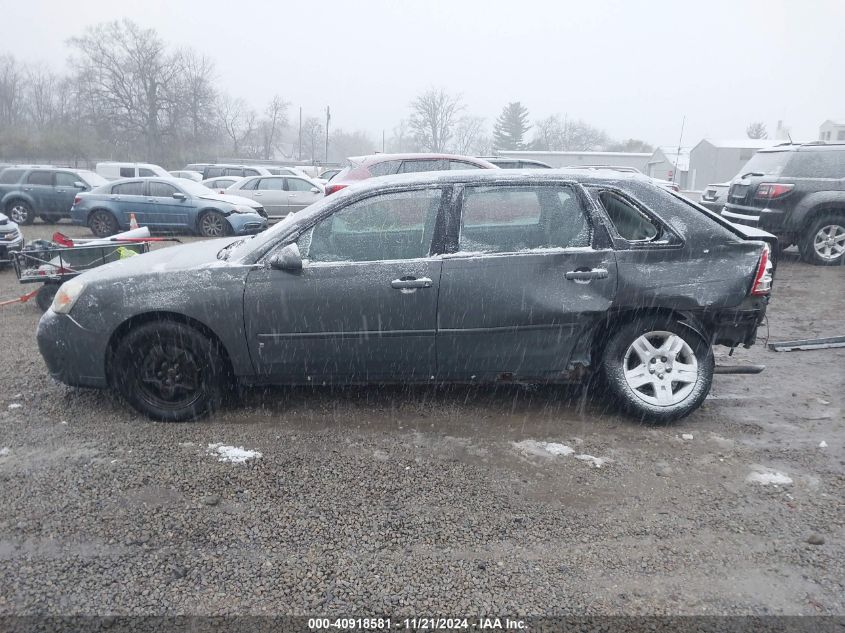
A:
(74, 355)
(246, 223)
(7, 247)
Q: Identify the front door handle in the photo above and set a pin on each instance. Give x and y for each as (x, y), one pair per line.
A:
(586, 274)
(410, 283)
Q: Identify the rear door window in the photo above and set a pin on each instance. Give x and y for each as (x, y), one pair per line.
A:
(416, 166)
(383, 168)
(504, 219)
(630, 223)
(129, 189)
(127, 172)
(40, 178)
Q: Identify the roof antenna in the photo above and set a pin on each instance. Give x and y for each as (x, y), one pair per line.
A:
(678, 155)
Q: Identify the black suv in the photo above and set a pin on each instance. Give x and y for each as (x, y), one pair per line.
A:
(796, 192)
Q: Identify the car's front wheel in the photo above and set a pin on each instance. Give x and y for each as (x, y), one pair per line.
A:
(658, 369)
(102, 223)
(824, 242)
(21, 212)
(169, 371)
(214, 224)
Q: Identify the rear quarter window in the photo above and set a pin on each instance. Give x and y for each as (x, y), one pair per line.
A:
(816, 164)
(383, 168)
(10, 176)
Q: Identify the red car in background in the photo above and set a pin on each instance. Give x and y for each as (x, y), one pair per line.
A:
(363, 167)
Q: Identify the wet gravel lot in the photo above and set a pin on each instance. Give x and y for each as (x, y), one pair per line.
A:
(404, 501)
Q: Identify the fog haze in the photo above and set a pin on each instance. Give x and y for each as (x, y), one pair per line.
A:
(632, 69)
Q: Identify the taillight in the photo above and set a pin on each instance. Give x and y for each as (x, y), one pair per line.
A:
(772, 190)
(763, 279)
(77, 200)
(330, 189)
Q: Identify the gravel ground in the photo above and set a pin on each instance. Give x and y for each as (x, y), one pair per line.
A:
(431, 501)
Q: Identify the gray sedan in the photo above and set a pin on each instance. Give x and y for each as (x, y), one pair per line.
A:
(475, 276)
(280, 195)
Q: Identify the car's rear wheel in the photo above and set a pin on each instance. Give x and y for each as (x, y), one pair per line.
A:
(21, 212)
(169, 371)
(824, 242)
(658, 369)
(102, 223)
(214, 224)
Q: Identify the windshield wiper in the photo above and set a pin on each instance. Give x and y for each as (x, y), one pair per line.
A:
(223, 253)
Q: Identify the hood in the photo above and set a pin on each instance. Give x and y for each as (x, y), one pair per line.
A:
(188, 257)
(235, 200)
(4, 221)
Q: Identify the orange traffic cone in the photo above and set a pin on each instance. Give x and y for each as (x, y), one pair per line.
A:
(133, 222)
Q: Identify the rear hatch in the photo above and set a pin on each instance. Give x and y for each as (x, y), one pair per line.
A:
(742, 205)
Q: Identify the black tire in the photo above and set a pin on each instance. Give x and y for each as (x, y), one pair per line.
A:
(678, 398)
(45, 296)
(169, 371)
(213, 224)
(823, 243)
(102, 223)
(20, 211)
(49, 219)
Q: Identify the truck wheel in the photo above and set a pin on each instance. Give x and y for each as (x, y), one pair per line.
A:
(824, 242)
(657, 369)
(21, 212)
(102, 223)
(45, 296)
(169, 371)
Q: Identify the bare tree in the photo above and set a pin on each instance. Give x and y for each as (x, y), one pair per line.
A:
(197, 100)
(469, 135)
(549, 134)
(433, 118)
(11, 90)
(238, 121)
(132, 80)
(342, 145)
(312, 133)
(402, 138)
(276, 118)
(757, 130)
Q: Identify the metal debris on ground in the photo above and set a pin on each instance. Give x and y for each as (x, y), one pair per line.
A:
(806, 344)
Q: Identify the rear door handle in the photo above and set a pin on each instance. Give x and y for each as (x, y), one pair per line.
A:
(410, 283)
(586, 274)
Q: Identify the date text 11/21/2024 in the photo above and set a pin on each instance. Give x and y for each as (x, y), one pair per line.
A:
(418, 623)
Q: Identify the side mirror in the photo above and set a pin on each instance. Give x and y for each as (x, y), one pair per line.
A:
(315, 190)
(287, 258)
(178, 195)
(80, 185)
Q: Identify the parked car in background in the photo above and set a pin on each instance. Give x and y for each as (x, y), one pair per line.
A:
(115, 171)
(11, 239)
(199, 167)
(169, 204)
(796, 192)
(27, 192)
(219, 185)
(215, 171)
(431, 278)
(328, 174)
(187, 174)
(286, 171)
(363, 167)
(503, 162)
(714, 196)
(666, 184)
(280, 195)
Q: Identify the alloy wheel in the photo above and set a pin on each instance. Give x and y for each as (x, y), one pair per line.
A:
(170, 375)
(212, 225)
(829, 242)
(19, 213)
(660, 368)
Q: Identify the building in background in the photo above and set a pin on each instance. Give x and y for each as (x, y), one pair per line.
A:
(715, 161)
(637, 160)
(667, 163)
(832, 130)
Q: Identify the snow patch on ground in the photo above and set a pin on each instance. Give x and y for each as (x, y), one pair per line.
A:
(553, 449)
(15, 405)
(686, 436)
(232, 454)
(766, 477)
(822, 444)
(5, 451)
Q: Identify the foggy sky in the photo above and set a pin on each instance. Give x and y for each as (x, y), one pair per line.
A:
(632, 68)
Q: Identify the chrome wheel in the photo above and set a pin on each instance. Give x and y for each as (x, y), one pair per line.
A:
(829, 242)
(213, 225)
(660, 368)
(19, 213)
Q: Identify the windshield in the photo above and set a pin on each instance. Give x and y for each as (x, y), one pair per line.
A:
(766, 163)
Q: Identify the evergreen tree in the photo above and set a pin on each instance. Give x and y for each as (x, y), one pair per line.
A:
(511, 127)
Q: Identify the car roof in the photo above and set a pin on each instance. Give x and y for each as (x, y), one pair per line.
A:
(378, 158)
(803, 147)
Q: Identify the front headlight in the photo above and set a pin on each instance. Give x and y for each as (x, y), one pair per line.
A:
(67, 295)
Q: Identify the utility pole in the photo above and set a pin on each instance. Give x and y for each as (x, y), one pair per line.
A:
(382, 141)
(328, 120)
(680, 142)
(300, 133)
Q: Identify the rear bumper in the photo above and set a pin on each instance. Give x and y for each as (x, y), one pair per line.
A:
(7, 248)
(74, 355)
(771, 220)
(739, 326)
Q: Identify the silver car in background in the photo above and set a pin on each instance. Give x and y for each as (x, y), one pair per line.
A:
(219, 185)
(279, 195)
